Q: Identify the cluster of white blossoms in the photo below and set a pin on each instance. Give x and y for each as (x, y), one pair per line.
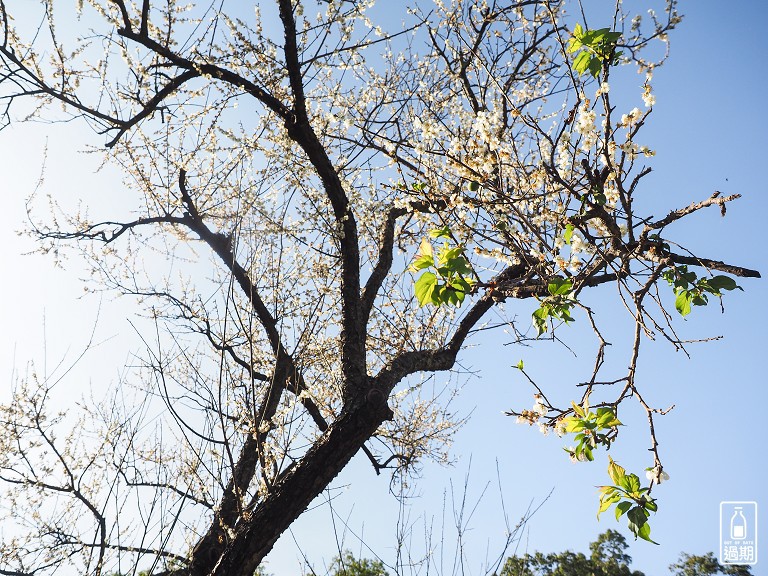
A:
(533, 415)
(585, 127)
(632, 118)
(648, 98)
(430, 130)
(580, 457)
(656, 475)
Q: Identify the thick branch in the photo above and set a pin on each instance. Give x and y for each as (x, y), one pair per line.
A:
(714, 200)
(229, 509)
(715, 265)
(380, 271)
(353, 333)
(443, 358)
(151, 106)
(207, 69)
(256, 534)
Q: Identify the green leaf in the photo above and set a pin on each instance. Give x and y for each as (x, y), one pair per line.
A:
(459, 265)
(568, 233)
(438, 294)
(574, 42)
(422, 262)
(633, 483)
(540, 320)
(461, 284)
(573, 424)
(594, 47)
(595, 66)
(616, 472)
(519, 365)
(582, 61)
(560, 286)
(606, 418)
(600, 197)
(687, 277)
(622, 507)
(720, 283)
(644, 532)
(699, 299)
(425, 248)
(443, 232)
(447, 255)
(452, 261)
(563, 313)
(425, 288)
(637, 515)
(683, 302)
(638, 523)
(608, 497)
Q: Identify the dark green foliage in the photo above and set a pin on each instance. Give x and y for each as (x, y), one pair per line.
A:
(348, 565)
(608, 558)
(706, 565)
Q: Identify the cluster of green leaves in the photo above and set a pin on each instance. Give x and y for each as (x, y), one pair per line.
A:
(693, 291)
(630, 499)
(706, 565)
(594, 47)
(348, 565)
(609, 557)
(448, 277)
(568, 233)
(557, 305)
(590, 429)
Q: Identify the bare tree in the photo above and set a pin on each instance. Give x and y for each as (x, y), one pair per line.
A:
(309, 150)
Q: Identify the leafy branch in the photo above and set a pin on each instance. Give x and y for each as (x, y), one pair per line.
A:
(589, 428)
(557, 305)
(630, 499)
(693, 291)
(450, 279)
(595, 48)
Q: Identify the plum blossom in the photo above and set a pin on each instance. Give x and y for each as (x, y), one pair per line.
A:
(656, 475)
(631, 118)
(648, 98)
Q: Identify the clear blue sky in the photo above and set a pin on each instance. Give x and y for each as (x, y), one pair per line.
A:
(708, 128)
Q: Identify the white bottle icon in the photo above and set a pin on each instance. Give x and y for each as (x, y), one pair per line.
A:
(738, 525)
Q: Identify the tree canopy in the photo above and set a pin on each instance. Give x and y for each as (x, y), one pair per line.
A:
(348, 565)
(609, 558)
(706, 565)
(327, 205)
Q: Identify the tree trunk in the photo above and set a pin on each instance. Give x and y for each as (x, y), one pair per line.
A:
(255, 535)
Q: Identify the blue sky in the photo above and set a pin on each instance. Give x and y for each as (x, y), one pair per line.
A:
(708, 129)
